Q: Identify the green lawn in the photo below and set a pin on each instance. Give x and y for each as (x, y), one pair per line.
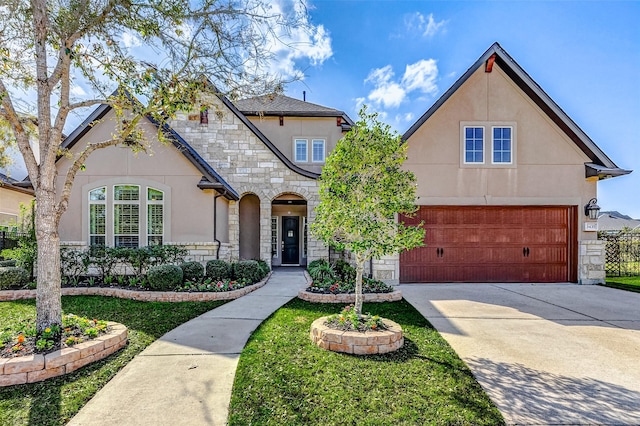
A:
(55, 401)
(283, 379)
(624, 283)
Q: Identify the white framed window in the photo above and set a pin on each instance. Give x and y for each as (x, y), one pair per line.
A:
(304, 236)
(474, 145)
(300, 148)
(155, 216)
(317, 150)
(488, 144)
(502, 145)
(98, 216)
(126, 215)
(274, 236)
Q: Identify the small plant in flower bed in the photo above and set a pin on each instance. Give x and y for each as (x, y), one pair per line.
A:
(213, 285)
(348, 320)
(340, 286)
(24, 340)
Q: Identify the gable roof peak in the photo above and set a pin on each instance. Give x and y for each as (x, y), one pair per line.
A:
(601, 165)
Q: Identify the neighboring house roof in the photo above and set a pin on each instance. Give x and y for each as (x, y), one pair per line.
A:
(9, 183)
(614, 221)
(210, 179)
(600, 165)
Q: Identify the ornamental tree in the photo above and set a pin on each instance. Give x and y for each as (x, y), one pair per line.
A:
(362, 190)
(143, 58)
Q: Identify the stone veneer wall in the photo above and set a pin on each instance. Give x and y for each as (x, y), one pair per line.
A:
(250, 167)
(591, 260)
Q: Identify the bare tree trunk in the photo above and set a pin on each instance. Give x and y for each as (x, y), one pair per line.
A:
(48, 294)
(360, 261)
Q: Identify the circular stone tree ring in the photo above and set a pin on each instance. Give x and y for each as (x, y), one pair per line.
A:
(357, 342)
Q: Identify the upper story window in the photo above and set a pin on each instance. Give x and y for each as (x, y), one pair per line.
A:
(117, 216)
(300, 148)
(502, 145)
(474, 144)
(318, 152)
(497, 139)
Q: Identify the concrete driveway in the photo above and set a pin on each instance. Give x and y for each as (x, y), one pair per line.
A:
(559, 354)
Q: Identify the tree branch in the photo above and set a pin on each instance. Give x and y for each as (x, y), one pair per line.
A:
(22, 136)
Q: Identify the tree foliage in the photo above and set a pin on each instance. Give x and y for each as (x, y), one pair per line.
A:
(362, 189)
(74, 54)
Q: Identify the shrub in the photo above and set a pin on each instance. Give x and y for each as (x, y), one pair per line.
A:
(321, 271)
(5, 263)
(248, 270)
(104, 259)
(162, 255)
(13, 276)
(73, 263)
(264, 268)
(218, 270)
(317, 262)
(344, 270)
(193, 271)
(164, 277)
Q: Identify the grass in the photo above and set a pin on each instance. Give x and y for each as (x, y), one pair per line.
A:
(55, 401)
(624, 283)
(283, 379)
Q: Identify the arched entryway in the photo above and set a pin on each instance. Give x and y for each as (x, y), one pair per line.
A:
(289, 230)
(249, 227)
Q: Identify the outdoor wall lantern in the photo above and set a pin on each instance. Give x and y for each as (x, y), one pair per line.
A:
(591, 209)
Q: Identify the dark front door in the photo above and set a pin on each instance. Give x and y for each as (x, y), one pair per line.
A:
(290, 240)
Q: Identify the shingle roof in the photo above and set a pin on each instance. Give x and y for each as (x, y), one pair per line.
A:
(13, 184)
(600, 165)
(286, 106)
(609, 221)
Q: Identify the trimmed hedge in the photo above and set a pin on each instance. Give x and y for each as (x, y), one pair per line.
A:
(248, 270)
(193, 271)
(264, 268)
(13, 276)
(218, 269)
(164, 277)
(6, 263)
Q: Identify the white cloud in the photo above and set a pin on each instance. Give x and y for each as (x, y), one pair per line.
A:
(421, 76)
(130, 40)
(306, 42)
(78, 91)
(390, 93)
(426, 26)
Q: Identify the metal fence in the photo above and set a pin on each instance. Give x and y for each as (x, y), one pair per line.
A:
(9, 239)
(622, 253)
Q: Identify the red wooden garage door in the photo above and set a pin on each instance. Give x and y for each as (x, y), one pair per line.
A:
(493, 244)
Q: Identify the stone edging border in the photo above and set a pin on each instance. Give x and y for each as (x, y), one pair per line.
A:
(308, 296)
(144, 296)
(39, 367)
(356, 342)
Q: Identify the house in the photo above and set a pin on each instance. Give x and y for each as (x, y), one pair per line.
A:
(234, 184)
(503, 177)
(12, 195)
(615, 221)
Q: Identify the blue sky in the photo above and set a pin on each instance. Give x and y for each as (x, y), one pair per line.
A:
(400, 56)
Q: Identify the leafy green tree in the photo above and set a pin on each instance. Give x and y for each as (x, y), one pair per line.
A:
(362, 189)
(75, 54)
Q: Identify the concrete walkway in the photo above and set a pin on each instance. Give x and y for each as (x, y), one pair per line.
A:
(558, 354)
(185, 377)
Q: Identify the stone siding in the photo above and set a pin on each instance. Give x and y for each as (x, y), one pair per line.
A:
(250, 167)
(591, 260)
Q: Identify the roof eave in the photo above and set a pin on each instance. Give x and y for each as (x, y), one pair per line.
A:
(596, 170)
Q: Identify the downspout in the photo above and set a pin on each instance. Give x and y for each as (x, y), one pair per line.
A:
(370, 267)
(215, 221)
